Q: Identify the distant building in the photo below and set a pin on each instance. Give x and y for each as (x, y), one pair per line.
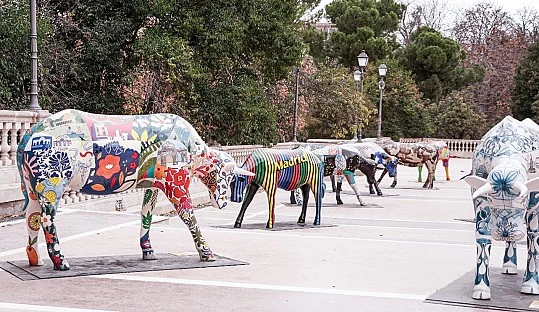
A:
(326, 27)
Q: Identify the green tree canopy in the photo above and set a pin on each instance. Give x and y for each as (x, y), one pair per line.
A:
(526, 91)
(458, 119)
(363, 25)
(435, 62)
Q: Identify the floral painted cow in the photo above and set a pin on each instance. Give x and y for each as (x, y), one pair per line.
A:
(285, 169)
(505, 198)
(104, 154)
(413, 155)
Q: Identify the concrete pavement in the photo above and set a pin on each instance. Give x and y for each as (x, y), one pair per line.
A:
(387, 256)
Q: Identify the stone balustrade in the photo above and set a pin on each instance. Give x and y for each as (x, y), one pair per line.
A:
(13, 125)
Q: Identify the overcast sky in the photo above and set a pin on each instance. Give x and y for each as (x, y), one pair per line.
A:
(509, 5)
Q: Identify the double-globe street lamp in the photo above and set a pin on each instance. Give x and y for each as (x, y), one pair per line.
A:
(33, 57)
(382, 71)
(359, 75)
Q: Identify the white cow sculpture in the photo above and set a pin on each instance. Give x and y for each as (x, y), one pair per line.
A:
(504, 196)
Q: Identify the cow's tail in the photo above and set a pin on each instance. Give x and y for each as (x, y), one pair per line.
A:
(20, 159)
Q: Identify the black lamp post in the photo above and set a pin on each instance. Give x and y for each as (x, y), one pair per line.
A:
(33, 57)
(382, 71)
(359, 75)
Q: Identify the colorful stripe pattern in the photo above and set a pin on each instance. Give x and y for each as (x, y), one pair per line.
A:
(284, 169)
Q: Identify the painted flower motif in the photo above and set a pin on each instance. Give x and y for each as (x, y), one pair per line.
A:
(134, 155)
(59, 160)
(50, 196)
(108, 166)
(49, 238)
(502, 182)
(133, 165)
(40, 187)
(46, 220)
(34, 221)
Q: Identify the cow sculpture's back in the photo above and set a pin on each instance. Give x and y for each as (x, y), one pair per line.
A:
(104, 154)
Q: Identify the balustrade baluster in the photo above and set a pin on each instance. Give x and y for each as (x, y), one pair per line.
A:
(4, 146)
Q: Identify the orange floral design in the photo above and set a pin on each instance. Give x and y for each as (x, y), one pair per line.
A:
(33, 259)
(108, 166)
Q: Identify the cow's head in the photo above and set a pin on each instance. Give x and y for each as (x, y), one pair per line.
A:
(506, 190)
(238, 186)
(389, 162)
(216, 170)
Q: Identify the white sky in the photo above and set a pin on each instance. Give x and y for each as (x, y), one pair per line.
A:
(510, 6)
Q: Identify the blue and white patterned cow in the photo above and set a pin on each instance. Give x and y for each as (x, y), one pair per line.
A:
(504, 190)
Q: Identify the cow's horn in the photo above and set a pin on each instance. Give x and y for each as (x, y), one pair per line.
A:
(239, 170)
(522, 188)
(483, 190)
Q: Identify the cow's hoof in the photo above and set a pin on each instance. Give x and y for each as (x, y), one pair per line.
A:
(372, 192)
(509, 268)
(301, 221)
(530, 287)
(362, 204)
(269, 226)
(63, 267)
(316, 223)
(393, 185)
(379, 194)
(339, 202)
(148, 255)
(481, 292)
(207, 257)
(419, 180)
(237, 225)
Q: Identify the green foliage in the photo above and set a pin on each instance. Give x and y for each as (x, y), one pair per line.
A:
(336, 106)
(457, 119)
(435, 62)
(363, 25)
(403, 111)
(526, 91)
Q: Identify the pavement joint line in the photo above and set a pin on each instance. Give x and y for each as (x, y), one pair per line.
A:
(84, 234)
(277, 233)
(31, 307)
(328, 291)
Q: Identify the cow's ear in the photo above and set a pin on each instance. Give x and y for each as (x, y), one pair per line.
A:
(475, 181)
(533, 185)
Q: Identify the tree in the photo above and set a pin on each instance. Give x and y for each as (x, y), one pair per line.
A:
(435, 62)
(404, 113)
(526, 91)
(488, 35)
(429, 13)
(363, 25)
(456, 118)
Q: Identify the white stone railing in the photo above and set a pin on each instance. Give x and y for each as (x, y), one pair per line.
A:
(457, 148)
(13, 125)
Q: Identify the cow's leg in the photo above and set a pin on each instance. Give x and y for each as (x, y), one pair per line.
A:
(510, 258)
(293, 197)
(333, 186)
(352, 182)
(49, 193)
(420, 171)
(530, 284)
(371, 180)
(305, 192)
(445, 163)
(429, 183)
(148, 204)
(318, 192)
(338, 190)
(249, 195)
(271, 203)
(382, 176)
(394, 181)
(483, 239)
(187, 215)
(33, 224)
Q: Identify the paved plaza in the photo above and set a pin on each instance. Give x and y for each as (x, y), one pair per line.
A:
(388, 256)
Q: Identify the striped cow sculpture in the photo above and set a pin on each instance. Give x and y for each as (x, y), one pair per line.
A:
(284, 169)
(105, 154)
(505, 191)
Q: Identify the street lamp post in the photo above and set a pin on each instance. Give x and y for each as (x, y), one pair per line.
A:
(382, 71)
(359, 75)
(33, 57)
(295, 121)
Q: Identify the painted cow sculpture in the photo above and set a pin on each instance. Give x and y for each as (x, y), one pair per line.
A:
(284, 169)
(505, 189)
(341, 162)
(105, 154)
(443, 155)
(413, 155)
(376, 152)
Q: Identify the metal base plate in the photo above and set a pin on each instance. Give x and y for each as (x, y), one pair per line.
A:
(112, 265)
(504, 290)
